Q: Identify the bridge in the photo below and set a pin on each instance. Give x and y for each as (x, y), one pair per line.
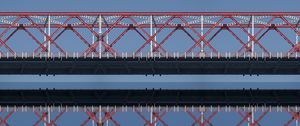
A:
(149, 42)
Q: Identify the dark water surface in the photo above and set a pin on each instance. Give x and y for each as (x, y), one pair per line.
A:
(149, 85)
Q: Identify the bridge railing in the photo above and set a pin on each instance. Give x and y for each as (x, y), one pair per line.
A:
(149, 55)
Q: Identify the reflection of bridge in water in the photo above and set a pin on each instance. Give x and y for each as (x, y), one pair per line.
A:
(151, 107)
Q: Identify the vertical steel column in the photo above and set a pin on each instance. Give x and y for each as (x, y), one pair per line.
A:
(155, 118)
(151, 33)
(202, 31)
(107, 43)
(252, 33)
(248, 39)
(100, 114)
(202, 117)
(45, 30)
(297, 120)
(45, 118)
(252, 115)
(100, 33)
(49, 34)
(155, 37)
(151, 115)
(49, 116)
(93, 121)
(248, 120)
(297, 39)
(107, 110)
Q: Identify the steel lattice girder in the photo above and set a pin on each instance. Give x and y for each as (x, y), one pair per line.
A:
(150, 115)
(201, 27)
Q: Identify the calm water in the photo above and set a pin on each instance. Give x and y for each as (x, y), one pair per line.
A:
(149, 85)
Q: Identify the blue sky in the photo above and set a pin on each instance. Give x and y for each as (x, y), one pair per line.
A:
(150, 5)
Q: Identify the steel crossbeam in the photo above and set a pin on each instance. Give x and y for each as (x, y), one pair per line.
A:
(200, 27)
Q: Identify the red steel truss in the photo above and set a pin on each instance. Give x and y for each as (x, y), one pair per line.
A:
(155, 28)
(152, 115)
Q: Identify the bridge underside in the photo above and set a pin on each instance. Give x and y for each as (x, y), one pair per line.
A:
(150, 97)
(144, 66)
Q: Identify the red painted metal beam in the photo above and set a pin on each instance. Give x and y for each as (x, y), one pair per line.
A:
(149, 13)
(3, 120)
(144, 26)
(201, 32)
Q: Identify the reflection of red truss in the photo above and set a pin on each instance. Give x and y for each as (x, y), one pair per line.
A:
(151, 116)
(108, 115)
(200, 27)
